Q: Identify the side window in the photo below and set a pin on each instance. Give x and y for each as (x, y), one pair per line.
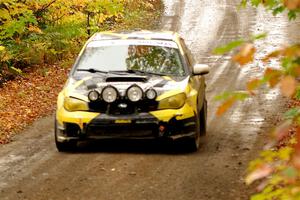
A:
(187, 55)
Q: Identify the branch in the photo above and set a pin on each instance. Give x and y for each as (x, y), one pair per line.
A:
(46, 6)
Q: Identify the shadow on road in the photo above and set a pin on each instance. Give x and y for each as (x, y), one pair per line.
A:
(135, 146)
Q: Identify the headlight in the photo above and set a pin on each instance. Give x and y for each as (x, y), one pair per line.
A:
(93, 95)
(134, 93)
(173, 102)
(109, 94)
(151, 94)
(73, 104)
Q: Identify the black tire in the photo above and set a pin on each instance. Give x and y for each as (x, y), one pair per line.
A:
(203, 118)
(193, 143)
(66, 146)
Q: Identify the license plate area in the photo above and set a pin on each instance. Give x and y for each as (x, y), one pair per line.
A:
(123, 130)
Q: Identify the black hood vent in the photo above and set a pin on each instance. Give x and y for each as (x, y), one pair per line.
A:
(127, 79)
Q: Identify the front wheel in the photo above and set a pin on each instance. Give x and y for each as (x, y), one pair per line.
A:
(65, 146)
(203, 118)
(193, 143)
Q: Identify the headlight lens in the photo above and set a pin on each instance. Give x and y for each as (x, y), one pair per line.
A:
(93, 95)
(134, 93)
(173, 102)
(109, 94)
(73, 104)
(151, 94)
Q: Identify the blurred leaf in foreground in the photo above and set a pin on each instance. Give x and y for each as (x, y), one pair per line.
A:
(288, 86)
(229, 98)
(253, 85)
(259, 173)
(228, 47)
(246, 54)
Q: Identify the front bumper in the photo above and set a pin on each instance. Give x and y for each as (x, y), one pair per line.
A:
(172, 123)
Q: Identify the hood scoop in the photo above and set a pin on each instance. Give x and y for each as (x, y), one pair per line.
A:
(127, 79)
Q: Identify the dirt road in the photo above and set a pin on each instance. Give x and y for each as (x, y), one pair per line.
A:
(31, 168)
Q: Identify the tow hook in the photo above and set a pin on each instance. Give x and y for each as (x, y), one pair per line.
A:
(161, 130)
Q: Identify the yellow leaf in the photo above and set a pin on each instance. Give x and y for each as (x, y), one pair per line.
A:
(273, 54)
(282, 131)
(18, 40)
(259, 173)
(2, 48)
(297, 70)
(291, 51)
(273, 76)
(225, 106)
(35, 29)
(288, 86)
(292, 4)
(297, 145)
(295, 190)
(296, 161)
(253, 84)
(246, 54)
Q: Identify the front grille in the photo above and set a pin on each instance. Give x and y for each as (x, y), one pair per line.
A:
(72, 130)
(123, 107)
(122, 130)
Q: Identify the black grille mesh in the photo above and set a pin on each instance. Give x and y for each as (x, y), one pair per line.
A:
(123, 106)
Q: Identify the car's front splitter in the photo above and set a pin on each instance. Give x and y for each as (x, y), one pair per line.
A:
(138, 126)
(169, 123)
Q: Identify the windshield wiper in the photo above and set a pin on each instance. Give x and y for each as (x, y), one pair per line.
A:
(130, 71)
(134, 71)
(146, 72)
(92, 70)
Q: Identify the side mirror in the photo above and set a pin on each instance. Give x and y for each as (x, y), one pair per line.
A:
(201, 69)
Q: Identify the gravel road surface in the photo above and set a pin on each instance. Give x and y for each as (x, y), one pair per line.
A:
(31, 167)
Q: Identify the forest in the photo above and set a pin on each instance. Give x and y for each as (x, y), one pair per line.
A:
(39, 41)
(46, 31)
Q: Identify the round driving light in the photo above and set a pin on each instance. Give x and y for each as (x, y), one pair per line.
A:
(135, 93)
(109, 94)
(151, 94)
(93, 95)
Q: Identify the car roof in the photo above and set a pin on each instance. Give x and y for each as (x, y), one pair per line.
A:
(140, 34)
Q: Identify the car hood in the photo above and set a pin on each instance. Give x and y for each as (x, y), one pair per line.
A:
(162, 84)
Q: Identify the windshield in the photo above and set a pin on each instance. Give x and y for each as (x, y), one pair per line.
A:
(153, 56)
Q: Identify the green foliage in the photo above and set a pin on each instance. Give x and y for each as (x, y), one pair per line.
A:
(228, 47)
(237, 43)
(277, 6)
(282, 177)
(47, 31)
(259, 36)
(15, 17)
(238, 95)
(229, 98)
(277, 170)
(292, 113)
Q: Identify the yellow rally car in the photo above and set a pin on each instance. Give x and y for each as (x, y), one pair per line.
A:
(137, 84)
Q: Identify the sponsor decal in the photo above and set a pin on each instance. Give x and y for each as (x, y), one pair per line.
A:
(123, 121)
